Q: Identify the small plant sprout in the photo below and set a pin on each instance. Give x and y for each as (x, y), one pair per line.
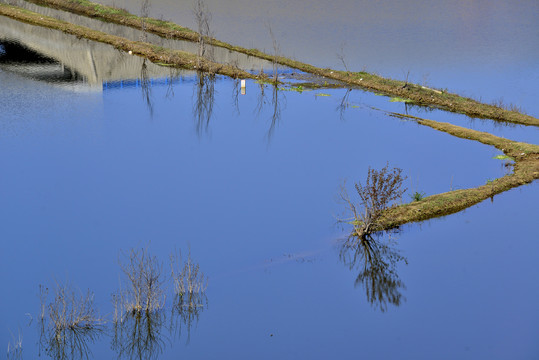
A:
(417, 196)
(503, 157)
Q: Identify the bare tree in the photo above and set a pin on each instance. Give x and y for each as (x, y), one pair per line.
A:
(341, 56)
(276, 53)
(203, 20)
(381, 190)
(144, 14)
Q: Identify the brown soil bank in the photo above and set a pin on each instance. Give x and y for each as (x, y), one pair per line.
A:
(154, 53)
(415, 93)
(526, 169)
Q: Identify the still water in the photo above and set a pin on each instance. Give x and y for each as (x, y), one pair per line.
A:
(249, 186)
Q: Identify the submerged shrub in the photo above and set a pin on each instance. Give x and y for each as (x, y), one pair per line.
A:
(189, 293)
(69, 323)
(143, 288)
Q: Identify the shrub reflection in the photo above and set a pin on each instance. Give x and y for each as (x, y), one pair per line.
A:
(138, 334)
(376, 261)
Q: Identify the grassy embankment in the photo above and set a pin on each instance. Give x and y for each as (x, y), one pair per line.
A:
(415, 93)
(525, 170)
(526, 156)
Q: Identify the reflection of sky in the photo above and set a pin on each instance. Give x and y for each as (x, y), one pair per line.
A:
(85, 175)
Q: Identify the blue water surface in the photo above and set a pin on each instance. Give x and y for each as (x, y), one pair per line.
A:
(89, 174)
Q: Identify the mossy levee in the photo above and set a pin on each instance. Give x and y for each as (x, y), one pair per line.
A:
(525, 170)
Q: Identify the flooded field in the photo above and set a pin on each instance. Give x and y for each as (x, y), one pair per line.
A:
(155, 213)
(483, 49)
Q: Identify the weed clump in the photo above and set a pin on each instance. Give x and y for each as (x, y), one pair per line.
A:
(138, 315)
(188, 279)
(190, 299)
(144, 291)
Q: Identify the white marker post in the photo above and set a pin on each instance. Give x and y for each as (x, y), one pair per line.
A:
(243, 87)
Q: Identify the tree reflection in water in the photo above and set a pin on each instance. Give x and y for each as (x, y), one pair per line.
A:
(236, 90)
(205, 97)
(376, 260)
(344, 104)
(146, 86)
(276, 106)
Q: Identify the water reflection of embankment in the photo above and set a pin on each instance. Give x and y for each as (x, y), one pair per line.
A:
(220, 55)
(88, 63)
